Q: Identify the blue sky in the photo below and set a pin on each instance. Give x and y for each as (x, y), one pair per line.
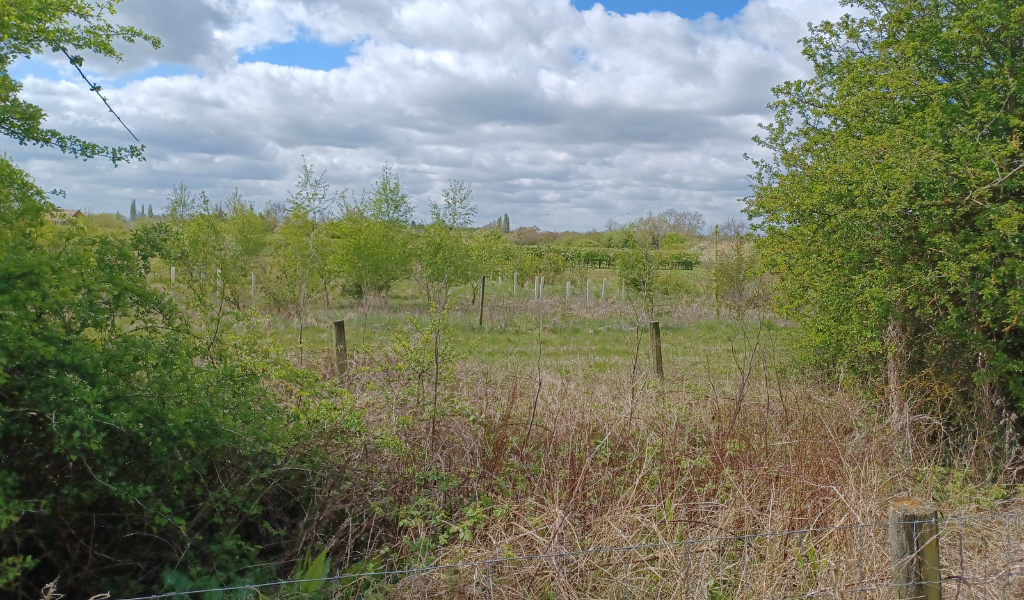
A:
(311, 53)
(559, 118)
(304, 52)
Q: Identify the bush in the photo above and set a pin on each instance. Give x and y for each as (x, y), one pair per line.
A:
(129, 445)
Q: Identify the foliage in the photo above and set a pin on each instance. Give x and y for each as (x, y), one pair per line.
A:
(372, 239)
(444, 255)
(31, 27)
(120, 426)
(214, 251)
(893, 200)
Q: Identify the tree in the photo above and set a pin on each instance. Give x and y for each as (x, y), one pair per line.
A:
(30, 27)
(149, 211)
(132, 212)
(372, 239)
(303, 243)
(892, 204)
(443, 255)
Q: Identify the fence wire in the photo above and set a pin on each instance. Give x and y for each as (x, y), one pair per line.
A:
(981, 556)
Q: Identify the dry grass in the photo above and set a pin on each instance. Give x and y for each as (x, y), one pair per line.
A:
(571, 458)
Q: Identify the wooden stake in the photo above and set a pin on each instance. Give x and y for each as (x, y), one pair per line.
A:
(568, 291)
(483, 281)
(515, 282)
(340, 349)
(604, 281)
(536, 287)
(541, 286)
(172, 275)
(655, 330)
(914, 549)
(588, 292)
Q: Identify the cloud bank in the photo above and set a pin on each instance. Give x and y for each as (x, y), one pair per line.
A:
(559, 117)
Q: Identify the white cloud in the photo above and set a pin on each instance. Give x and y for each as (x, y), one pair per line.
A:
(559, 117)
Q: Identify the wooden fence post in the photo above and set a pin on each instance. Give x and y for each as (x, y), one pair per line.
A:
(568, 291)
(914, 548)
(172, 275)
(604, 281)
(340, 349)
(483, 282)
(536, 287)
(541, 286)
(655, 331)
(254, 288)
(588, 292)
(515, 282)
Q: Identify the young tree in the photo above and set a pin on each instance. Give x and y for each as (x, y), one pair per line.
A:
(303, 245)
(149, 211)
(443, 256)
(372, 239)
(893, 205)
(132, 213)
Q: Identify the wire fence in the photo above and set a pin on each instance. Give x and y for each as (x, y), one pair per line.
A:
(981, 556)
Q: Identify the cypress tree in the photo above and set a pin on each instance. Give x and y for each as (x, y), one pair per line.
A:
(150, 212)
(132, 212)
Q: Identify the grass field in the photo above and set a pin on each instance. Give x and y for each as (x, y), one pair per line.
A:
(599, 335)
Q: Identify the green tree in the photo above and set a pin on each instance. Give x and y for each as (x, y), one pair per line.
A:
(444, 257)
(303, 247)
(132, 212)
(892, 204)
(29, 27)
(373, 238)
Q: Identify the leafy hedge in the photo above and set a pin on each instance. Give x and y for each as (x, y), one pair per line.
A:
(132, 448)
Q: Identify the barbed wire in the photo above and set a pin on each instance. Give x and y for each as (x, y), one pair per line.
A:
(489, 563)
(76, 62)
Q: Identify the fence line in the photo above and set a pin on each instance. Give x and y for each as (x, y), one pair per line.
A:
(655, 581)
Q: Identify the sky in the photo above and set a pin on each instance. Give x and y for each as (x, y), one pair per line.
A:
(561, 114)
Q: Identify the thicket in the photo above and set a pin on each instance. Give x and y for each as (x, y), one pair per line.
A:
(892, 204)
(137, 449)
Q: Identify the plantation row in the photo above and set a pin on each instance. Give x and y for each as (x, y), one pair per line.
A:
(319, 245)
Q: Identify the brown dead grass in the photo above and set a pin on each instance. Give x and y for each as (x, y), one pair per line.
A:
(611, 460)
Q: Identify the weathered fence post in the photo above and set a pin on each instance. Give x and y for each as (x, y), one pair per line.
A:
(623, 290)
(914, 548)
(541, 286)
(254, 288)
(655, 330)
(172, 275)
(483, 282)
(588, 292)
(340, 349)
(536, 287)
(515, 282)
(568, 291)
(604, 281)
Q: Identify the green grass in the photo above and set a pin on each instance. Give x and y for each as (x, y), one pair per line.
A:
(598, 338)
